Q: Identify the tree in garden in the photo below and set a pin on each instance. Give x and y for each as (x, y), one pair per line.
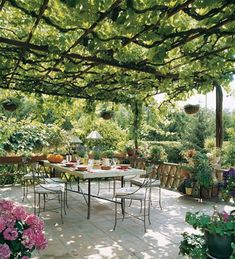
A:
(197, 130)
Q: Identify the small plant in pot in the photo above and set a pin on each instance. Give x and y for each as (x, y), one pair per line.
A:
(130, 150)
(188, 184)
(218, 229)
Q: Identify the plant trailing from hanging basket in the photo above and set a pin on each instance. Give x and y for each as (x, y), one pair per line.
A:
(191, 108)
(10, 104)
(106, 114)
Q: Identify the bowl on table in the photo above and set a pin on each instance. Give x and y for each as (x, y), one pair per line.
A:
(81, 168)
(69, 164)
(123, 166)
(105, 167)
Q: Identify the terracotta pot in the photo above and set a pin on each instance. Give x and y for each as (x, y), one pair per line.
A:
(184, 173)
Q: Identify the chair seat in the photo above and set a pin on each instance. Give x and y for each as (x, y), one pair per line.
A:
(49, 188)
(130, 193)
(31, 176)
(128, 178)
(55, 180)
(140, 182)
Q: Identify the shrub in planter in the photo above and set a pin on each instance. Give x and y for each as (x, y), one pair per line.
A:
(218, 229)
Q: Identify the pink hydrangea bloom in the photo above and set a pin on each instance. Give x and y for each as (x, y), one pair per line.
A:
(10, 233)
(2, 224)
(6, 205)
(28, 238)
(13, 219)
(19, 213)
(40, 241)
(5, 251)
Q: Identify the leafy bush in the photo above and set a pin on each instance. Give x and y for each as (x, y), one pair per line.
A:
(172, 150)
(27, 137)
(228, 151)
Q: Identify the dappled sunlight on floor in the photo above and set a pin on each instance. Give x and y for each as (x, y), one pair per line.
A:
(95, 238)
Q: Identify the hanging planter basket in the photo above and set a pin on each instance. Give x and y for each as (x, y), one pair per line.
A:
(9, 106)
(191, 108)
(106, 115)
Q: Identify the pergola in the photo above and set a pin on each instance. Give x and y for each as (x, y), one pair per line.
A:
(116, 50)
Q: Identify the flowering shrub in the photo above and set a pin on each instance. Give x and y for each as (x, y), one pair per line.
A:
(20, 232)
(228, 190)
(221, 223)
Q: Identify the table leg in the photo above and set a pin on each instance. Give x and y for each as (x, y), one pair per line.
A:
(89, 199)
(122, 181)
(78, 182)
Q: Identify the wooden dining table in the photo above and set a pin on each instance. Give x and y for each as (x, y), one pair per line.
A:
(79, 173)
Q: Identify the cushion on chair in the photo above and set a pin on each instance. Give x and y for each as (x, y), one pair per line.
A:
(31, 176)
(47, 188)
(154, 183)
(130, 193)
(55, 180)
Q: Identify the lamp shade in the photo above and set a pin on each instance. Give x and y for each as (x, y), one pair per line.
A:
(94, 135)
(75, 140)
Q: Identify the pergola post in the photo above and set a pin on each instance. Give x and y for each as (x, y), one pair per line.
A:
(219, 116)
(137, 111)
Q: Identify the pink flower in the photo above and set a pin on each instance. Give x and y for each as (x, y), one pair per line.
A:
(28, 238)
(225, 216)
(31, 219)
(19, 213)
(40, 241)
(14, 220)
(5, 251)
(6, 205)
(2, 224)
(10, 233)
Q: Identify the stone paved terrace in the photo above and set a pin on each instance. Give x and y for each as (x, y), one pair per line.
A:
(95, 239)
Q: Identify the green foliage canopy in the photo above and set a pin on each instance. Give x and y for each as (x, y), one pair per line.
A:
(114, 49)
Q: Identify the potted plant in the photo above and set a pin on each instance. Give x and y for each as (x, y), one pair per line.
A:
(188, 184)
(201, 171)
(218, 230)
(193, 245)
(107, 154)
(191, 108)
(130, 150)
